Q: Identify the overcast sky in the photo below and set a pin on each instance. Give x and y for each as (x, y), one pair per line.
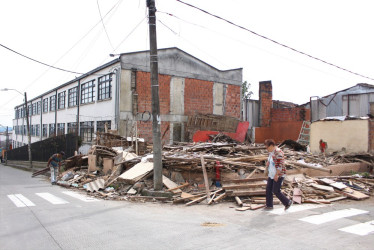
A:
(63, 34)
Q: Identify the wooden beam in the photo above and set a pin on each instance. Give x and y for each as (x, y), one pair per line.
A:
(205, 177)
(237, 199)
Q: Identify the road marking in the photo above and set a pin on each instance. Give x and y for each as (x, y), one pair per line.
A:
(80, 196)
(330, 216)
(360, 229)
(16, 201)
(295, 208)
(52, 199)
(26, 201)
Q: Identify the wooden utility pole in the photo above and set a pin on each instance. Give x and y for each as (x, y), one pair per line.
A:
(28, 131)
(156, 119)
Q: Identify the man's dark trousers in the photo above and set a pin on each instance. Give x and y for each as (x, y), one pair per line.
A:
(274, 187)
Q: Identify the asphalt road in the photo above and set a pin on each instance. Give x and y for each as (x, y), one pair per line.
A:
(36, 215)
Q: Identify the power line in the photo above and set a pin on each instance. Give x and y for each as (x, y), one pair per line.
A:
(102, 21)
(51, 66)
(278, 43)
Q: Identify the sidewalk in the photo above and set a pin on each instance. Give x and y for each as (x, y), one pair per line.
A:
(25, 165)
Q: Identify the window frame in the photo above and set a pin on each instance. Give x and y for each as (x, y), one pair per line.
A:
(87, 131)
(104, 83)
(87, 92)
(45, 105)
(52, 99)
(61, 100)
(73, 97)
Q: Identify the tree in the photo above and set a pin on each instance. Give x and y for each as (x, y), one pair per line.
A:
(246, 93)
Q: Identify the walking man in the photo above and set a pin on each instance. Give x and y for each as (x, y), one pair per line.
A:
(54, 164)
(276, 173)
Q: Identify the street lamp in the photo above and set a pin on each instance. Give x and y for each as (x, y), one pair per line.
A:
(27, 123)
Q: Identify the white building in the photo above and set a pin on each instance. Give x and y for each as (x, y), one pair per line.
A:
(119, 94)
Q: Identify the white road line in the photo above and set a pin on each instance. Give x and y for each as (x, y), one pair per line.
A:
(360, 229)
(335, 215)
(24, 200)
(80, 196)
(52, 199)
(295, 208)
(16, 201)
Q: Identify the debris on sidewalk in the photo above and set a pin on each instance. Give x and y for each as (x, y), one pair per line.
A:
(211, 172)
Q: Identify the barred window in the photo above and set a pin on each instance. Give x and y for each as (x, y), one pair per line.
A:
(60, 128)
(45, 130)
(52, 129)
(61, 100)
(52, 103)
(32, 130)
(24, 130)
(105, 87)
(73, 97)
(45, 105)
(101, 126)
(30, 109)
(87, 92)
(72, 128)
(38, 107)
(87, 131)
(37, 130)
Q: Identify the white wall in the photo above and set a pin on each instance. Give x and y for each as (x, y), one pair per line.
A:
(353, 135)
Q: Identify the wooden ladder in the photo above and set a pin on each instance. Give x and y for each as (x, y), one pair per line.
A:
(304, 136)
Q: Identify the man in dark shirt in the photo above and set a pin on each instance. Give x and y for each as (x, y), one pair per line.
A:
(54, 164)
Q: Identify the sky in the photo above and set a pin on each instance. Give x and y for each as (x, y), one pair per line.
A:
(79, 36)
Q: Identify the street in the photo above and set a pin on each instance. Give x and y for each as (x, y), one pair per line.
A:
(36, 215)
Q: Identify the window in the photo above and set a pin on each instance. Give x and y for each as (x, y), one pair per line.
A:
(45, 105)
(87, 92)
(52, 129)
(72, 128)
(105, 87)
(60, 128)
(34, 111)
(73, 97)
(61, 100)
(24, 130)
(87, 131)
(52, 103)
(30, 109)
(45, 130)
(38, 107)
(37, 130)
(101, 126)
(16, 113)
(32, 130)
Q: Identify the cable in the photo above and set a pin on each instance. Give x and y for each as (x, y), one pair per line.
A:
(51, 66)
(278, 43)
(106, 32)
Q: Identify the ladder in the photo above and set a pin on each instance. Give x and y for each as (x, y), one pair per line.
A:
(304, 136)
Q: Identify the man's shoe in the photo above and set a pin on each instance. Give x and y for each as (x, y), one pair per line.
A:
(289, 205)
(268, 208)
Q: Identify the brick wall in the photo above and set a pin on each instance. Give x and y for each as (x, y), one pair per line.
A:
(371, 136)
(198, 97)
(290, 114)
(233, 101)
(266, 101)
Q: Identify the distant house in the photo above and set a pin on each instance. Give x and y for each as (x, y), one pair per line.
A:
(117, 96)
(355, 101)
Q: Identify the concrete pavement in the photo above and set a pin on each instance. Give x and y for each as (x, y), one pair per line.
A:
(58, 220)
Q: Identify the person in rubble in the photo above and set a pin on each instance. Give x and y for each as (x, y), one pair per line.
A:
(54, 163)
(276, 172)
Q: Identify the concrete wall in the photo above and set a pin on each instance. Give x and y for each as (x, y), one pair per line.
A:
(353, 135)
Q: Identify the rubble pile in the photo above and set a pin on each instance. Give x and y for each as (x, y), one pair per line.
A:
(211, 172)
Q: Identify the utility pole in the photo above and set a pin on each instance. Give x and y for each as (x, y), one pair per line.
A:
(156, 119)
(28, 130)
(6, 145)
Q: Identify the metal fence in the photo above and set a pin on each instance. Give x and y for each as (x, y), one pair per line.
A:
(42, 150)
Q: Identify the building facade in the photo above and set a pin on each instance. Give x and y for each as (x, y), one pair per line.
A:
(118, 95)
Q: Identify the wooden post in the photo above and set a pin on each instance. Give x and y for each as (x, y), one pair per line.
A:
(205, 177)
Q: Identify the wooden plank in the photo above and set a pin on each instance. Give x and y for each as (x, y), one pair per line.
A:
(197, 200)
(137, 172)
(242, 209)
(322, 187)
(255, 207)
(205, 177)
(178, 187)
(246, 193)
(220, 197)
(249, 180)
(171, 184)
(353, 194)
(244, 186)
(251, 174)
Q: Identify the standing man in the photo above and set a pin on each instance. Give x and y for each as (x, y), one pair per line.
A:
(54, 164)
(276, 174)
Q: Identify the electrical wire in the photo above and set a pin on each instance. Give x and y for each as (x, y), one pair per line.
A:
(102, 21)
(45, 64)
(276, 42)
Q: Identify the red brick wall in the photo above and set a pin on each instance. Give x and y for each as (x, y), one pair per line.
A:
(266, 102)
(290, 114)
(198, 97)
(233, 101)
